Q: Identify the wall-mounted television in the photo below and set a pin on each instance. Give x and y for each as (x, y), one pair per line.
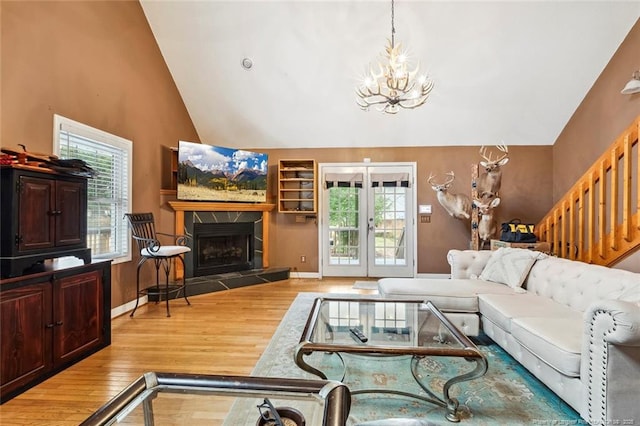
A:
(214, 173)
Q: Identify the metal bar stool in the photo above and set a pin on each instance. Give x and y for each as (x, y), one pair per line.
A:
(143, 231)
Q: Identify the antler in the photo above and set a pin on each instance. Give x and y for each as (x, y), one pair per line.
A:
(483, 149)
(501, 147)
(446, 183)
(453, 176)
(430, 179)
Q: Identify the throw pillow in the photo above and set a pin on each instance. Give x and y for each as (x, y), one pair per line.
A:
(510, 266)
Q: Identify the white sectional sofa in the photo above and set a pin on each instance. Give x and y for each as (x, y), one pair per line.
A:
(575, 326)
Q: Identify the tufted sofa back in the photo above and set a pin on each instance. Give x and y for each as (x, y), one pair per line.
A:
(578, 284)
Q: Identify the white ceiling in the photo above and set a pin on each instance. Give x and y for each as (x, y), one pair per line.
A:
(504, 71)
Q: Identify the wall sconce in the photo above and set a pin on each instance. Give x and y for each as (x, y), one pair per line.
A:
(633, 86)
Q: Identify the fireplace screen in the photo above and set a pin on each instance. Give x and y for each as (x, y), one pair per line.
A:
(222, 247)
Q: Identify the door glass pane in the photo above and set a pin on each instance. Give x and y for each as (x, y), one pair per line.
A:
(344, 233)
(389, 224)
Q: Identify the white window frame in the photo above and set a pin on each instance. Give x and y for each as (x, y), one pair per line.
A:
(63, 124)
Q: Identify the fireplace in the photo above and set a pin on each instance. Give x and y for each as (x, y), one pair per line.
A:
(222, 247)
(189, 214)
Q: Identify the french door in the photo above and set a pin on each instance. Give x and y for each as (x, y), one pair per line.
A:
(367, 219)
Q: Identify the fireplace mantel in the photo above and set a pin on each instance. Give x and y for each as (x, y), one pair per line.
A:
(179, 207)
(199, 206)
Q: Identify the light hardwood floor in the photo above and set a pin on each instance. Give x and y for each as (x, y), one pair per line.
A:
(220, 333)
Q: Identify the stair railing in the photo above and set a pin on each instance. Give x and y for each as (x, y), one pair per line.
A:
(598, 219)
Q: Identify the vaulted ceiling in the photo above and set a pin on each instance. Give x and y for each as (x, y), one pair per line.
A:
(504, 71)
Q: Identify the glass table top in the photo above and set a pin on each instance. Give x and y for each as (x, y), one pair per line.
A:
(189, 399)
(385, 326)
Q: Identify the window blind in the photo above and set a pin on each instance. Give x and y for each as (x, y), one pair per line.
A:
(108, 197)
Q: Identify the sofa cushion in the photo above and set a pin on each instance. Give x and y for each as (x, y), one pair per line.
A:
(467, 263)
(555, 340)
(510, 266)
(459, 295)
(502, 308)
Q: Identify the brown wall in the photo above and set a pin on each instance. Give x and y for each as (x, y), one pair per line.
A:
(95, 62)
(525, 194)
(601, 117)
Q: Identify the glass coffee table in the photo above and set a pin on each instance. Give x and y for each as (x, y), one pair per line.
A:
(387, 328)
(170, 398)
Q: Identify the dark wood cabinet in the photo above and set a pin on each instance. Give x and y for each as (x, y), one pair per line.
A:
(77, 325)
(44, 216)
(26, 350)
(51, 319)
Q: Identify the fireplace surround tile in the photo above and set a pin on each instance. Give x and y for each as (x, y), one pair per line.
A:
(191, 217)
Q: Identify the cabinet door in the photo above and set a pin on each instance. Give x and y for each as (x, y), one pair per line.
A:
(25, 325)
(71, 216)
(77, 315)
(36, 214)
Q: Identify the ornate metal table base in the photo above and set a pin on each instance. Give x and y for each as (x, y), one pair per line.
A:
(426, 332)
(445, 401)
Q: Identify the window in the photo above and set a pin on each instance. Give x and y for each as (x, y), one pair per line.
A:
(109, 193)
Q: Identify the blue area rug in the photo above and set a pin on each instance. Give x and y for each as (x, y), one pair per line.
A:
(506, 395)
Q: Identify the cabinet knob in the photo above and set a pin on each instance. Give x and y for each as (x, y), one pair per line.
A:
(49, 326)
(58, 323)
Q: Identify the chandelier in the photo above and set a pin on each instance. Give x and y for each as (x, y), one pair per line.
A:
(392, 85)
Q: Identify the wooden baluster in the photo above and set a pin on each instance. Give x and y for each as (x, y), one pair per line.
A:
(613, 216)
(591, 241)
(581, 213)
(572, 226)
(556, 245)
(602, 218)
(626, 189)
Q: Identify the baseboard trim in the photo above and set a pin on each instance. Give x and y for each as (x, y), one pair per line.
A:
(296, 274)
(123, 309)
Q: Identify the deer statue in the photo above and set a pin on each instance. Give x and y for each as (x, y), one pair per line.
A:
(457, 205)
(487, 226)
(489, 182)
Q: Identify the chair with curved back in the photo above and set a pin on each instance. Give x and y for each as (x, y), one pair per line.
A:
(142, 227)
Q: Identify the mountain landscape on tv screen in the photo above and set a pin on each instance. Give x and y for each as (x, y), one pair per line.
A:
(209, 173)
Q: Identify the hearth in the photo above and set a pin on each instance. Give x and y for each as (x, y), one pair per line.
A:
(222, 247)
